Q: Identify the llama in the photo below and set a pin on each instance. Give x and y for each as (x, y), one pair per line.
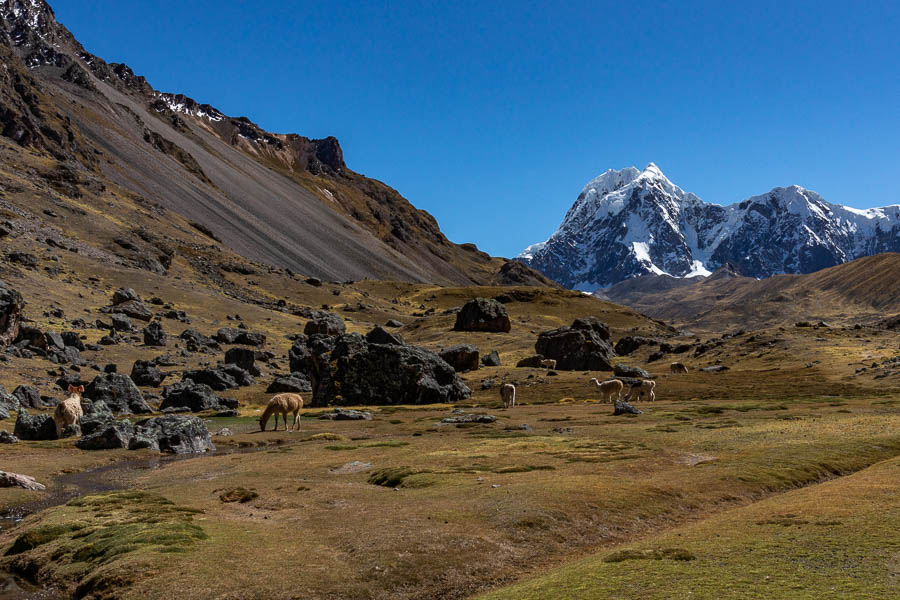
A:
(610, 390)
(282, 404)
(548, 363)
(69, 411)
(508, 394)
(643, 389)
(677, 367)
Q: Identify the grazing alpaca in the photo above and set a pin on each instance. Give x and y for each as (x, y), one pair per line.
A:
(610, 390)
(69, 412)
(508, 394)
(642, 389)
(677, 367)
(282, 404)
(548, 363)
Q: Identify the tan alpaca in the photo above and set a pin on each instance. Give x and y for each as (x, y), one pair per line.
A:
(282, 404)
(677, 367)
(548, 363)
(643, 389)
(508, 395)
(610, 390)
(69, 411)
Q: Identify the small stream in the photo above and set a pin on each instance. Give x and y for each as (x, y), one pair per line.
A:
(114, 476)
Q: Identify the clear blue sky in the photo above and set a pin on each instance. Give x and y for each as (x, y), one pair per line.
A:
(493, 115)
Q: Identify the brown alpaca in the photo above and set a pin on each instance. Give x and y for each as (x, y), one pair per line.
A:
(677, 367)
(548, 363)
(610, 390)
(282, 404)
(644, 388)
(69, 411)
(508, 395)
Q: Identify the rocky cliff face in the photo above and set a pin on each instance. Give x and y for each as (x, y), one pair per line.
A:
(629, 223)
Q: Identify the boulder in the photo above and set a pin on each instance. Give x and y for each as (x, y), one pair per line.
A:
(250, 338)
(96, 415)
(469, 418)
(53, 340)
(28, 396)
(220, 378)
(227, 335)
(155, 335)
(346, 414)
(109, 436)
(482, 314)
(34, 427)
(349, 370)
(325, 323)
(119, 393)
(295, 383)
(122, 295)
(314, 281)
(8, 438)
(463, 357)
(121, 322)
(630, 343)
(193, 396)
(146, 373)
(175, 434)
(243, 358)
(11, 314)
(624, 408)
(195, 341)
(73, 340)
(134, 309)
(531, 362)
(621, 370)
(69, 355)
(26, 259)
(21, 481)
(491, 359)
(4, 412)
(7, 401)
(714, 369)
(380, 335)
(394, 323)
(584, 346)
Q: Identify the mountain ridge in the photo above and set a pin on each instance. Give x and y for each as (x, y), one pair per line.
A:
(630, 222)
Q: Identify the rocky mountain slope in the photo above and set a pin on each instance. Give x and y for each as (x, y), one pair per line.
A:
(629, 223)
(101, 132)
(861, 291)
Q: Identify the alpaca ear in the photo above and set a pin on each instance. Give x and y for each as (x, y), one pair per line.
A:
(80, 389)
(71, 388)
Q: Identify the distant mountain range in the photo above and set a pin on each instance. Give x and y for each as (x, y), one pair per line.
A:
(630, 223)
(280, 199)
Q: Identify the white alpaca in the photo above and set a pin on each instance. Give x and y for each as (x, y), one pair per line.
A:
(643, 389)
(548, 363)
(677, 367)
(69, 411)
(508, 395)
(610, 390)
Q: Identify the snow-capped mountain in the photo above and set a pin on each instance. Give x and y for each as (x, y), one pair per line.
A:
(628, 223)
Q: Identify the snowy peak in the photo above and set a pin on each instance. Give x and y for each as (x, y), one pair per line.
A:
(629, 222)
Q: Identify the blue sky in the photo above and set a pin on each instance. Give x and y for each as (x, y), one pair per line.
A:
(493, 115)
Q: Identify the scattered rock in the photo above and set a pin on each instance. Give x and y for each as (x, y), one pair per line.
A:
(26, 259)
(346, 414)
(34, 427)
(133, 309)
(714, 369)
(295, 383)
(582, 347)
(108, 436)
(145, 373)
(72, 339)
(121, 323)
(469, 418)
(352, 467)
(314, 281)
(196, 397)
(22, 481)
(96, 415)
(325, 323)
(123, 295)
(243, 358)
(491, 359)
(155, 335)
(221, 378)
(629, 344)
(394, 323)
(621, 370)
(8, 438)
(28, 396)
(462, 358)
(119, 393)
(175, 434)
(380, 335)
(482, 314)
(531, 362)
(624, 408)
(195, 341)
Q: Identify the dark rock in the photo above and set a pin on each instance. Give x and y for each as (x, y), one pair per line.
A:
(393, 323)
(68, 355)
(119, 393)
(29, 397)
(175, 434)
(197, 342)
(8, 438)
(531, 362)
(227, 335)
(630, 343)
(54, 340)
(469, 418)
(380, 335)
(667, 348)
(123, 295)
(250, 338)
(244, 358)
(314, 281)
(31, 337)
(621, 370)
(155, 335)
(34, 427)
(27, 260)
(491, 360)
(582, 347)
(482, 314)
(145, 373)
(222, 414)
(110, 368)
(96, 415)
(108, 436)
(624, 408)
(73, 340)
(197, 397)
(295, 383)
(134, 309)
(73, 430)
(221, 378)
(8, 401)
(346, 414)
(325, 323)
(121, 322)
(714, 369)
(487, 384)
(462, 358)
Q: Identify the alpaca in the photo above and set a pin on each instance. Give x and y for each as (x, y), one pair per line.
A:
(69, 411)
(677, 367)
(508, 394)
(282, 404)
(644, 388)
(610, 390)
(548, 363)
